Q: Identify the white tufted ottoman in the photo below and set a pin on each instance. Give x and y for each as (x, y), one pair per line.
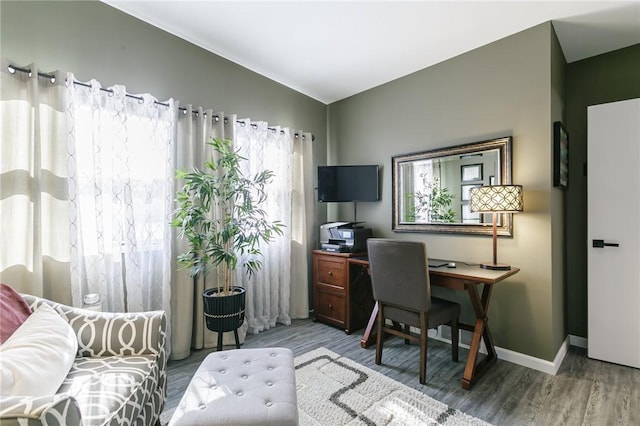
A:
(241, 387)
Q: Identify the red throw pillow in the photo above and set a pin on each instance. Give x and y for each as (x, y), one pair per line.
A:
(14, 310)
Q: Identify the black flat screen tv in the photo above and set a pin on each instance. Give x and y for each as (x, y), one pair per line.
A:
(348, 183)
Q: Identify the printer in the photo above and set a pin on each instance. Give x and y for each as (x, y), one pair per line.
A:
(344, 237)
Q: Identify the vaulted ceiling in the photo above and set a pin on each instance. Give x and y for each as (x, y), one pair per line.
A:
(330, 50)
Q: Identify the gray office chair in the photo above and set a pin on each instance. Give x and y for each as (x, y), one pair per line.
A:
(400, 282)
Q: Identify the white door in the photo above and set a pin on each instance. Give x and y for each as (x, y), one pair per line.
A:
(613, 169)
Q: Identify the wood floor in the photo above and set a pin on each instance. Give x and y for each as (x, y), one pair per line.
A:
(584, 392)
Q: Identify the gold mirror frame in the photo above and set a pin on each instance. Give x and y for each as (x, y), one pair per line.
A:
(503, 148)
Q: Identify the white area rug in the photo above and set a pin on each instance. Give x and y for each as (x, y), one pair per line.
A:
(333, 390)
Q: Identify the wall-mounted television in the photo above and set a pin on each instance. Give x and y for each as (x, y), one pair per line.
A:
(348, 183)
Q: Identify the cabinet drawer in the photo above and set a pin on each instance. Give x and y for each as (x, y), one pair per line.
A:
(332, 271)
(329, 306)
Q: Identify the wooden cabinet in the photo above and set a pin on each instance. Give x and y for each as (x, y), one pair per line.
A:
(341, 290)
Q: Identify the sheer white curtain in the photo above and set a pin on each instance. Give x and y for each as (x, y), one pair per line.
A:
(34, 242)
(86, 195)
(121, 166)
(269, 290)
(279, 291)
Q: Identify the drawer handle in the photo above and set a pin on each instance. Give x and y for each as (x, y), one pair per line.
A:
(330, 306)
(330, 273)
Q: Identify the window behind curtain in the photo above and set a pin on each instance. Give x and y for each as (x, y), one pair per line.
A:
(121, 171)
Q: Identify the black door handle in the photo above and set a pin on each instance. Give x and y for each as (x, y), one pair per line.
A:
(602, 244)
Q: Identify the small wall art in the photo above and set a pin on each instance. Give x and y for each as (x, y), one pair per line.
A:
(560, 156)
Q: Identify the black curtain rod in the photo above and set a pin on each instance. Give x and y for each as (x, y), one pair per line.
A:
(138, 98)
(52, 77)
(13, 69)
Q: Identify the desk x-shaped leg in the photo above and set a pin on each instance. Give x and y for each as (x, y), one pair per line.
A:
(480, 303)
(474, 369)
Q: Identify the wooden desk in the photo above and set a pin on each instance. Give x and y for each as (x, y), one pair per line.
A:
(462, 278)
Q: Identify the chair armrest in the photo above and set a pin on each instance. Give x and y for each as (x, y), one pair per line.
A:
(50, 410)
(113, 334)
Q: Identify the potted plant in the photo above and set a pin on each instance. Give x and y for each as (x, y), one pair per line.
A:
(219, 212)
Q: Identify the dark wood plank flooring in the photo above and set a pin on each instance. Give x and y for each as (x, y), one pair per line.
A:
(584, 392)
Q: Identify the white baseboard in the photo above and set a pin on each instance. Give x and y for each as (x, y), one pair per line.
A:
(533, 362)
(524, 360)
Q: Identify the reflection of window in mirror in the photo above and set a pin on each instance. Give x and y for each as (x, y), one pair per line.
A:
(431, 188)
(434, 190)
(426, 197)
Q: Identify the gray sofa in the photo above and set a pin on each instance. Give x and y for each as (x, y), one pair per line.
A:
(118, 376)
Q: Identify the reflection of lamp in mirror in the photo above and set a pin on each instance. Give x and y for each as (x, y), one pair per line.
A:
(496, 199)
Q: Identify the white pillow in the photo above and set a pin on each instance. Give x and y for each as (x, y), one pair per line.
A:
(37, 357)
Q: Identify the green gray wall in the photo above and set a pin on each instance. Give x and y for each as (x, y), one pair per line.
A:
(558, 223)
(512, 87)
(611, 77)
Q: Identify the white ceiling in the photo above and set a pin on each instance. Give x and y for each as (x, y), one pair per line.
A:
(330, 50)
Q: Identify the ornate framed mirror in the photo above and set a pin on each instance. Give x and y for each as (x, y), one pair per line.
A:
(431, 188)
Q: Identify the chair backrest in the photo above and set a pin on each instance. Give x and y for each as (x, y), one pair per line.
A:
(399, 273)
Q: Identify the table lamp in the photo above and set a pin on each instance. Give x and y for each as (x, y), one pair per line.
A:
(496, 199)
